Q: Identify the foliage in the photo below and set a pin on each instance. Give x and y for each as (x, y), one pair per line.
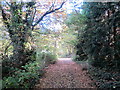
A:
(105, 78)
(23, 78)
(21, 61)
(76, 22)
(103, 37)
(50, 58)
(19, 19)
(46, 57)
(29, 74)
(98, 39)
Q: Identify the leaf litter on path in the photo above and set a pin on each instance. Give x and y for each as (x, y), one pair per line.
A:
(65, 74)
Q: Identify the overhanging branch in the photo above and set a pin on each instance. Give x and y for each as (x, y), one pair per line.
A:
(48, 12)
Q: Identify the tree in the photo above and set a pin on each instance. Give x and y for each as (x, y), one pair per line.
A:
(98, 39)
(101, 42)
(19, 20)
(76, 24)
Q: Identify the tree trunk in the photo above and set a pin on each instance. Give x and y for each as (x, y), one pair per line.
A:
(18, 41)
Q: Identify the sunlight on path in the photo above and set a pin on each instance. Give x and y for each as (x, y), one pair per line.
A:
(65, 74)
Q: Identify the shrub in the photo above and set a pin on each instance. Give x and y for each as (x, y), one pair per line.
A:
(50, 58)
(23, 78)
(46, 57)
(27, 75)
(105, 78)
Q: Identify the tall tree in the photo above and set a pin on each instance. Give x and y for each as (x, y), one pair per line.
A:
(99, 40)
(19, 20)
(103, 33)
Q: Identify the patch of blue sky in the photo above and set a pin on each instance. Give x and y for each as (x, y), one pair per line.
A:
(72, 5)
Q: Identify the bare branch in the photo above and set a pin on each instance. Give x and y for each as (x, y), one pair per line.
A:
(52, 6)
(48, 12)
(8, 4)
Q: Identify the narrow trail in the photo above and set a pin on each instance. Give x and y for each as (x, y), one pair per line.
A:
(65, 74)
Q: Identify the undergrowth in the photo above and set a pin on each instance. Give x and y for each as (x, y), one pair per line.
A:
(27, 75)
(105, 78)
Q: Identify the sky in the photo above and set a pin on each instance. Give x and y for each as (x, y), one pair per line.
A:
(72, 4)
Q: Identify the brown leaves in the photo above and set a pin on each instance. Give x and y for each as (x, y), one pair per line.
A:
(65, 74)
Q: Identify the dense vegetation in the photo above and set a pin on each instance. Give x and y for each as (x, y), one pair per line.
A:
(100, 39)
(25, 50)
(27, 47)
(98, 29)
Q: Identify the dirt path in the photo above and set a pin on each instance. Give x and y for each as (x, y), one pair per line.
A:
(65, 74)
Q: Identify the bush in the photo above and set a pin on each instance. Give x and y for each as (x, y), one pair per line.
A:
(28, 74)
(105, 78)
(45, 56)
(8, 63)
(23, 78)
(50, 58)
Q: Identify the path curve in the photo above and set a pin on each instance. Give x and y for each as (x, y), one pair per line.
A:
(65, 74)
